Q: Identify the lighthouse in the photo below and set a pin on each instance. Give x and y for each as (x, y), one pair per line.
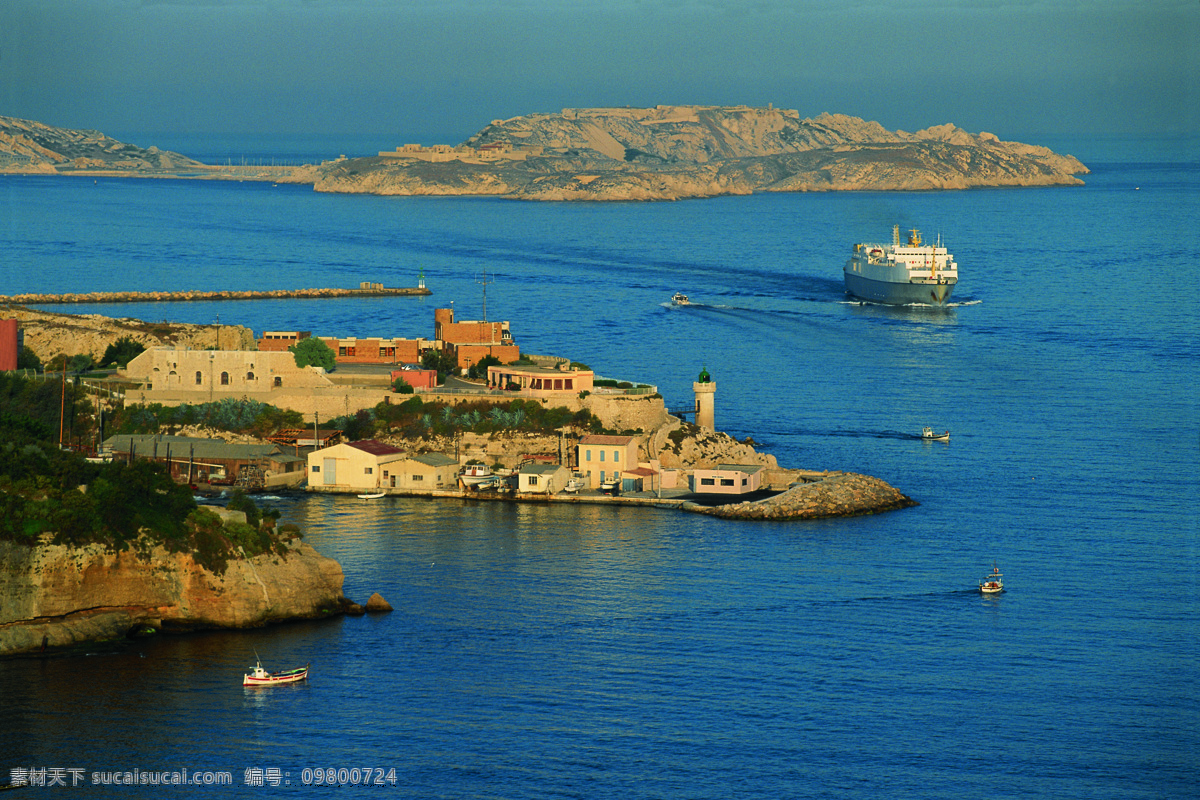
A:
(706, 390)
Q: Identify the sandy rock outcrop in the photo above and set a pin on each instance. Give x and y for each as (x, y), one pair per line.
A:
(48, 334)
(681, 445)
(26, 146)
(675, 152)
(54, 596)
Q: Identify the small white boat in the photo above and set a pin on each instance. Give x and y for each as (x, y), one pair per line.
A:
(680, 299)
(928, 435)
(992, 583)
(260, 677)
(573, 486)
(475, 474)
(375, 496)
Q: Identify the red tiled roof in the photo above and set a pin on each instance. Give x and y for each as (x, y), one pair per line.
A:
(601, 439)
(375, 448)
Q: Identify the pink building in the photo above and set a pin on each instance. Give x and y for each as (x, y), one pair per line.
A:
(601, 458)
(727, 479)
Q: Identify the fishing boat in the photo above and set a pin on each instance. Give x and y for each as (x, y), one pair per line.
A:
(260, 677)
(680, 299)
(992, 583)
(475, 474)
(928, 435)
(573, 486)
(902, 274)
(375, 496)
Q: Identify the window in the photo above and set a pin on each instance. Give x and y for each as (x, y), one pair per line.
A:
(418, 477)
(224, 378)
(249, 376)
(315, 468)
(568, 382)
(708, 482)
(385, 474)
(601, 455)
(278, 381)
(727, 481)
(744, 481)
(616, 456)
(533, 480)
(368, 470)
(199, 377)
(587, 453)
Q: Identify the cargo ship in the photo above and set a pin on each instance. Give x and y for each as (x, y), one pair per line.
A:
(902, 274)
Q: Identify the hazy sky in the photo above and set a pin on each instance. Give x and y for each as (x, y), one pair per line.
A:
(423, 70)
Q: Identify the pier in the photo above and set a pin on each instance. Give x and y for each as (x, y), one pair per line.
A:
(369, 290)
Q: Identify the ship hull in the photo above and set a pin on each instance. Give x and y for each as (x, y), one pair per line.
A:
(899, 293)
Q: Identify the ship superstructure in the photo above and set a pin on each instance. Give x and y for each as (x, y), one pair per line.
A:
(902, 274)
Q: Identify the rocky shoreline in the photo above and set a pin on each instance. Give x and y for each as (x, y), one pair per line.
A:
(58, 597)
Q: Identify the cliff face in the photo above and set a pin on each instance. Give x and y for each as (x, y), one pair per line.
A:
(47, 334)
(674, 152)
(62, 596)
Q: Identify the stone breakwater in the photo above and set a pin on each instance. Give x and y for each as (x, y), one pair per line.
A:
(189, 296)
(55, 596)
(843, 494)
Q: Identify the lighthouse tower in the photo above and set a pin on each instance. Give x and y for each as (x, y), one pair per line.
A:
(706, 390)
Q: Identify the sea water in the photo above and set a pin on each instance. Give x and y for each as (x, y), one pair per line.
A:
(591, 652)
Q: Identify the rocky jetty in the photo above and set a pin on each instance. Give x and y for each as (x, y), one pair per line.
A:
(675, 152)
(55, 596)
(839, 494)
(197, 295)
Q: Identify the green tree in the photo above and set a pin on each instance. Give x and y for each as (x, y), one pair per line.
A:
(314, 352)
(479, 370)
(444, 362)
(121, 352)
(402, 386)
(27, 359)
(358, 427)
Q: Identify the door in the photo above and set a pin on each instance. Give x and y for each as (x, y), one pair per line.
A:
(330, 471)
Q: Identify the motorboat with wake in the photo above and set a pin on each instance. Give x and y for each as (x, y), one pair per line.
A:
(928, 435)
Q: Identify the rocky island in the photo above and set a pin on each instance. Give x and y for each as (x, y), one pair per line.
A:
(608, 154)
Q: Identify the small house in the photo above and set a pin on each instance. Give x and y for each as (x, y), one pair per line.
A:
(431, 471)
(542, 478)
(727, 479)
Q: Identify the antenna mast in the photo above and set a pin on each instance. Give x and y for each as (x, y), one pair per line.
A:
(484, 281)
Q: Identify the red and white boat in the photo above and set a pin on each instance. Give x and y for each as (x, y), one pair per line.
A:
(993, 583)
(260, 677)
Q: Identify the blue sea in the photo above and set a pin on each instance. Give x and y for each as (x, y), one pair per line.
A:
(591, 652)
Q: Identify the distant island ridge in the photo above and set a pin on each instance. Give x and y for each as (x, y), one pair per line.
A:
(604, 154)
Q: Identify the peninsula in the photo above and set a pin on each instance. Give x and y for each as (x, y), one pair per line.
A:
(608, 154)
